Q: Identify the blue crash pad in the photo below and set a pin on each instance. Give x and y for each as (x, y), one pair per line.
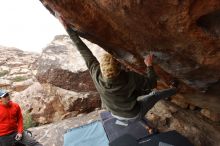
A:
(92, 134)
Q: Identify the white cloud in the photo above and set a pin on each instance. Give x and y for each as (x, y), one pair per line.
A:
(27, 25)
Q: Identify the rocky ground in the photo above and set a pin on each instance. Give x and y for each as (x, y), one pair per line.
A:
(199, 130)
(52, 134)
(164, 116)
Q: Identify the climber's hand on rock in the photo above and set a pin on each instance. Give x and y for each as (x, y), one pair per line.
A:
(149, 60)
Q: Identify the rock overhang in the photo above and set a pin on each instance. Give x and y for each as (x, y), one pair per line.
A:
(183, 35)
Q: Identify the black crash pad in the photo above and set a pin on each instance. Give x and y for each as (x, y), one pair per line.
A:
(137, 129)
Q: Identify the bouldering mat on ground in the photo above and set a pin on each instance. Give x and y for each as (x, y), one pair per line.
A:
(170, 138)
(92, 134)
(136, 129)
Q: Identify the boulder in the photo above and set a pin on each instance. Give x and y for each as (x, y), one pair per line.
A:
(47, 103)
(183, 35)
(65, 80)
(64, 93)
(61, 65)
(200, 131)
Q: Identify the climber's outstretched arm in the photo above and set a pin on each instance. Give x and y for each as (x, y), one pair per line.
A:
(90, 59)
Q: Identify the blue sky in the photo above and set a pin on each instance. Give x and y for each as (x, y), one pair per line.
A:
(27, 25)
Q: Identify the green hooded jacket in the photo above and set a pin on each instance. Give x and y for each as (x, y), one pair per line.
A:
(119, 94)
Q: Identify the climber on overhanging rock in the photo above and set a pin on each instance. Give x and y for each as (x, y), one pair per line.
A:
(119, 89)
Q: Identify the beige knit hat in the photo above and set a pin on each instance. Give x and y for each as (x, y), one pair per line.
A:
(110, 67)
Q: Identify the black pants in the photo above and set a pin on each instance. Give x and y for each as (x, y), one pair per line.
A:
(148, 101)
(9, 140)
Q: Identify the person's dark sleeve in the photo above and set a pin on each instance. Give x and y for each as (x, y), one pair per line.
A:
(91, 61)
(151, 77)
(147, 81)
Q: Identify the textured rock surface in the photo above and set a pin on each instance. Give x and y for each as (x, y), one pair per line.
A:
(184, 35)
(52, 134)
(48, 102)
(165, 116)
(61, 65)
(15, 69)
(199, 130)
(65, 78)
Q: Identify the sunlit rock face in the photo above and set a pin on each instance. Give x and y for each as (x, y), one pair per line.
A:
(62, 91)
(61, 65)
(67, 85)
(183, 35)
